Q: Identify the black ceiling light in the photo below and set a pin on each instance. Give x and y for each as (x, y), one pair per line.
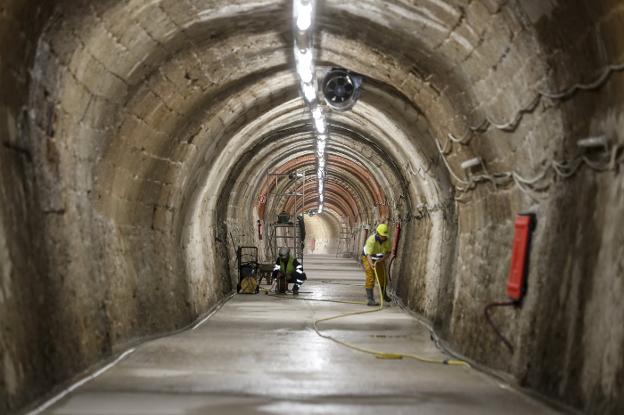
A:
(341, 88)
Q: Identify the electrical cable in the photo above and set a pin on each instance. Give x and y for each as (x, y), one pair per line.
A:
(390, 268)
(564, 169)
(486, 312)
(513, 124)
(465, 138)
(447, 164)
(515, 120)
(80, 383)
(573, 89)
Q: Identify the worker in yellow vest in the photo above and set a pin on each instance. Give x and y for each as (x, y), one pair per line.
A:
(288, 270)
(378, 245)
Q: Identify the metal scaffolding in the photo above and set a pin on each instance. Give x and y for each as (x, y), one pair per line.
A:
(289, 229)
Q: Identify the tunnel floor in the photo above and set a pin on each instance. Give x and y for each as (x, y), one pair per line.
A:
(260, 355)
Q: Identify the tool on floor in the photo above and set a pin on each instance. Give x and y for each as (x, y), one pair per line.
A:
(277, 289)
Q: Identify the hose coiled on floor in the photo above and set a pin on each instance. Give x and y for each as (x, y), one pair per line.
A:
(377, 353)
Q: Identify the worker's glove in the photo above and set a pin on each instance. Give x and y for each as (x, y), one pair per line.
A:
(378, 257)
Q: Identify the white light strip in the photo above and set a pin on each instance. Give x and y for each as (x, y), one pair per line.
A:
(78, 384)
(309, 92)
(317, 113)
(303, 19)
(303, 13)
(305, 66)
(319, 124)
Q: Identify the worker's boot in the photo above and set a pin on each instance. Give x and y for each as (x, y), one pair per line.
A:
(295, 289)
(386, 297)
(371, 299)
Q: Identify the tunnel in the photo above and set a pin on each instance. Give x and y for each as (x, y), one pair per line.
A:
(145, 141)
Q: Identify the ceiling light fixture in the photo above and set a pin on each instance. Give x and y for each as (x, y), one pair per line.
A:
(319, 124)
(305, 66)
(303, 11)
(303, 19)
(309, 92)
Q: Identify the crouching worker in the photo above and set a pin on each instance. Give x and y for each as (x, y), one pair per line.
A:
(373, 257)
(288, 270)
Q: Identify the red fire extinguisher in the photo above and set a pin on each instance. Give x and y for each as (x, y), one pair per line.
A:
(517, 279)
(518, 270)
(395, 241)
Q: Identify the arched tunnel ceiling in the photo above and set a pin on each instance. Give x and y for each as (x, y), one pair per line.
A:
(184, 114)
(141, 133)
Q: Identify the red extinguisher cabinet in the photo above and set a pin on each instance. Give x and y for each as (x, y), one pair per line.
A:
(519, 267)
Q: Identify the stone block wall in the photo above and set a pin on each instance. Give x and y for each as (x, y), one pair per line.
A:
(135, 137)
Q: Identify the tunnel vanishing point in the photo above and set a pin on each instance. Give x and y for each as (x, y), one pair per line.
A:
(137, 138)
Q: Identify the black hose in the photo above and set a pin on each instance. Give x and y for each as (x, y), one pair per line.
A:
(390, 267)
(486, 312)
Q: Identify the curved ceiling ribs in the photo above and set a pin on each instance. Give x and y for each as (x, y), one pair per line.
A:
(337, 196)
(341, 174)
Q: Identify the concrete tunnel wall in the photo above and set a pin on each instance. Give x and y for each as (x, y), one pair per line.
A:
(136, 138)
(322, 233)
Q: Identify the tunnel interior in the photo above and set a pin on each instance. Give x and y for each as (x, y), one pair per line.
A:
(138, 138)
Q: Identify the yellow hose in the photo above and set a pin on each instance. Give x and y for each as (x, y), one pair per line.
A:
(379, 354)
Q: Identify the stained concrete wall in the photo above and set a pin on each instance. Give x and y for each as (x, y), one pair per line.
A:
(136, 137)
(567, 336)
(322, 233)
(26, 367)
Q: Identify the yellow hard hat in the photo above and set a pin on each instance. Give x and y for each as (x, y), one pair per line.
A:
(382, 230)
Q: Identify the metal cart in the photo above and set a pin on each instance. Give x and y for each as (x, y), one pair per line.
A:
(247, 261)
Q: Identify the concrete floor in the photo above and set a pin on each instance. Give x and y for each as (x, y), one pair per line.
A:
(260, 355)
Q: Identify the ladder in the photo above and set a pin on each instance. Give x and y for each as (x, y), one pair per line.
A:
(290, 232)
